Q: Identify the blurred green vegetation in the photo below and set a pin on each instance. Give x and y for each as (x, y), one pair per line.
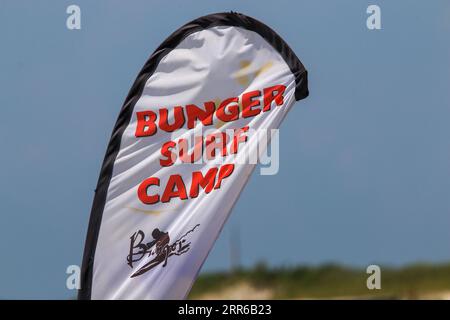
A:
(330, 281)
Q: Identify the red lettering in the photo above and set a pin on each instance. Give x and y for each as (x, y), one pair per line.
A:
(194, 113)
(196, 153)
(206, 182)
(170, 156)
(145, 124)
(248, 103)
(178, 119)
(224, 172)
(216, 141)
(227, 111)
(175, 188)
(271, 94)
(233, 109)
(238, 138)
(143, 191)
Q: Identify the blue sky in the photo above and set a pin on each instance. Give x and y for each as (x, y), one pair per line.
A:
(365, 160)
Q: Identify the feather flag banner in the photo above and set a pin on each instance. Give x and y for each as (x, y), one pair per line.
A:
(179, 153)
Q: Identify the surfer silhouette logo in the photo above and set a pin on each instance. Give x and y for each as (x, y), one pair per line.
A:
(157, 251)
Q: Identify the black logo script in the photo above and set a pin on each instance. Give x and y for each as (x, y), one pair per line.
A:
(158, 250)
